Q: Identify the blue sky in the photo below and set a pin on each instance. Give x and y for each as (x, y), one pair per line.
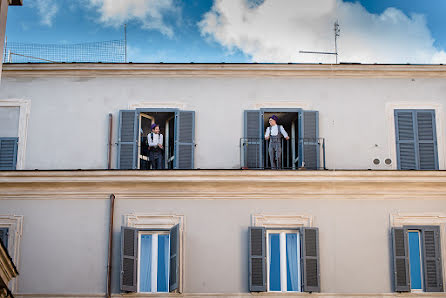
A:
(381, 31)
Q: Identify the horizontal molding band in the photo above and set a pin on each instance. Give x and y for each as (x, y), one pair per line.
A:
(222, 70)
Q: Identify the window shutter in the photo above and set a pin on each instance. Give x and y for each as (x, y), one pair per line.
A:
(405, 140)
(427, 140)
(185, 140)
(127, 140)
(4, 236)
(174, 271)
(308, 139)
(433, 279)
(401, 273)
(129, 259)
(253, 139)
(257, 259)
(8, 153)
(310, 260)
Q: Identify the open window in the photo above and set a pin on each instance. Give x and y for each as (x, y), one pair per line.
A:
(303, 149)
(150, 260)
(9, 132)
(417, 259)
(284, 260)
(177, 127)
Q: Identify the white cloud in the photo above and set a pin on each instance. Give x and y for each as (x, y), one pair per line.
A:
(150, 13)
(276, 30)
(47, 10)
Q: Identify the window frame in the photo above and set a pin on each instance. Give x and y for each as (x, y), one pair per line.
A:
(420, 251)
(151, 232)
(283, 231)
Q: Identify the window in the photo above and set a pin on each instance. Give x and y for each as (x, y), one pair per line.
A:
(417, 259)
(303, 149)
(4, 236)
(150, 260)
(284, 260)
(177, 127)
(416, 140)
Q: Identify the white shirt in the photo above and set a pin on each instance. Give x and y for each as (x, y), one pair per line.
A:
(274, 131)
(157, 139)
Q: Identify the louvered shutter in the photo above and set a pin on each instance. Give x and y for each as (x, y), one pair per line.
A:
(185, 140)
(4, 236)
(127, 140)
(401, 273)
(129, 259)
(427, 140)
(432, 259)
(253, 140)
(257, 259)
(308, 139)
(8, 153)
(174, 271)
(310, 260)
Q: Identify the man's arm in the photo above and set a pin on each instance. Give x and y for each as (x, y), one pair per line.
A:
(284, 133)
(150, 141)
(267, 133)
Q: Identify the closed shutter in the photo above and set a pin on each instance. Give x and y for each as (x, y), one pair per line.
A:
(310, 260)
(253, 139)
(174, 271)
(4, 236)
(427, 140)
(8, 153)
(308, 139)
(401, 273)
(127, 140)
(416, 140)
(432, 259)
(129, 259)
(257, 259)
(185, 140)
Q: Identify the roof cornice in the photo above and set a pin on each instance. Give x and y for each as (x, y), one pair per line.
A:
(223, 70)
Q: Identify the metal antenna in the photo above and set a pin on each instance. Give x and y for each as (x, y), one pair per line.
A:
(337, 33)
(125, 42)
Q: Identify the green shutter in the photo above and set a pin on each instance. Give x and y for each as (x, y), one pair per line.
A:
(253, 140)
(174, 271)
(433, 279)
(185, 139)
(127, 140)
(8, 153)
(129, 259)
(308, 139)
(401, 273)
(310, 260)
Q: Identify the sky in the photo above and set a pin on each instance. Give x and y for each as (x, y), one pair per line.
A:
(242, 31)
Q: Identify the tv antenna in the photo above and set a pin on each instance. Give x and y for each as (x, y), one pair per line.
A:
(337, 32)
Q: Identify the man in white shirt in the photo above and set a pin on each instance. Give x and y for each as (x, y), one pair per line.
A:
(155, 141)
(275, 133)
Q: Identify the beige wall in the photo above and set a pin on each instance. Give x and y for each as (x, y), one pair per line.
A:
(66, 216)
(68, 124)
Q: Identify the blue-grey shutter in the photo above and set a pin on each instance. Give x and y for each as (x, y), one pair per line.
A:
(416, 140)
(8, 153)
(433, 278)
(309, 139)
(253, 140)
(427, 140)
(129, 259)
(310, 260)
(127, 140)
(174, 271)
(185, 140)
(401, 273)
(4, 236)
(257, 259)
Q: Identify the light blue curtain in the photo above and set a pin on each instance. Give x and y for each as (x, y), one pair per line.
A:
(292, 263)
(163, 263)
(274, 262)
(145, 275)
(415, 260)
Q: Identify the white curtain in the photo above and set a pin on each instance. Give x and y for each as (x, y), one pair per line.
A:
(145, 276)
(292, 262)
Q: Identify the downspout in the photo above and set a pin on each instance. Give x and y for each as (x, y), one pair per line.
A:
(110, 135)
(110, 246)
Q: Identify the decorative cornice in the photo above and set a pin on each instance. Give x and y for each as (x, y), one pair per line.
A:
(223, 184)
(7, 269)
(39, 70)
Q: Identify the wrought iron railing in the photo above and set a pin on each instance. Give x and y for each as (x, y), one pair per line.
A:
(308, 153)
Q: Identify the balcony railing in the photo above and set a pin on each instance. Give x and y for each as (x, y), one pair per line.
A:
(295, 154)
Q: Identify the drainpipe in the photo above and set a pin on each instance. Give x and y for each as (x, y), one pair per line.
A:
(110, 135)
(110, 246)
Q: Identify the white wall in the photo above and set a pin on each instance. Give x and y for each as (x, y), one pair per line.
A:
(68, 126)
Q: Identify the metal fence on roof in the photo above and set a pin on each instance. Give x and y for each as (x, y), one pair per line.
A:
(111, 51)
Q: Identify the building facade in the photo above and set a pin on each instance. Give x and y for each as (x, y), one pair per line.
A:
(358, 209)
